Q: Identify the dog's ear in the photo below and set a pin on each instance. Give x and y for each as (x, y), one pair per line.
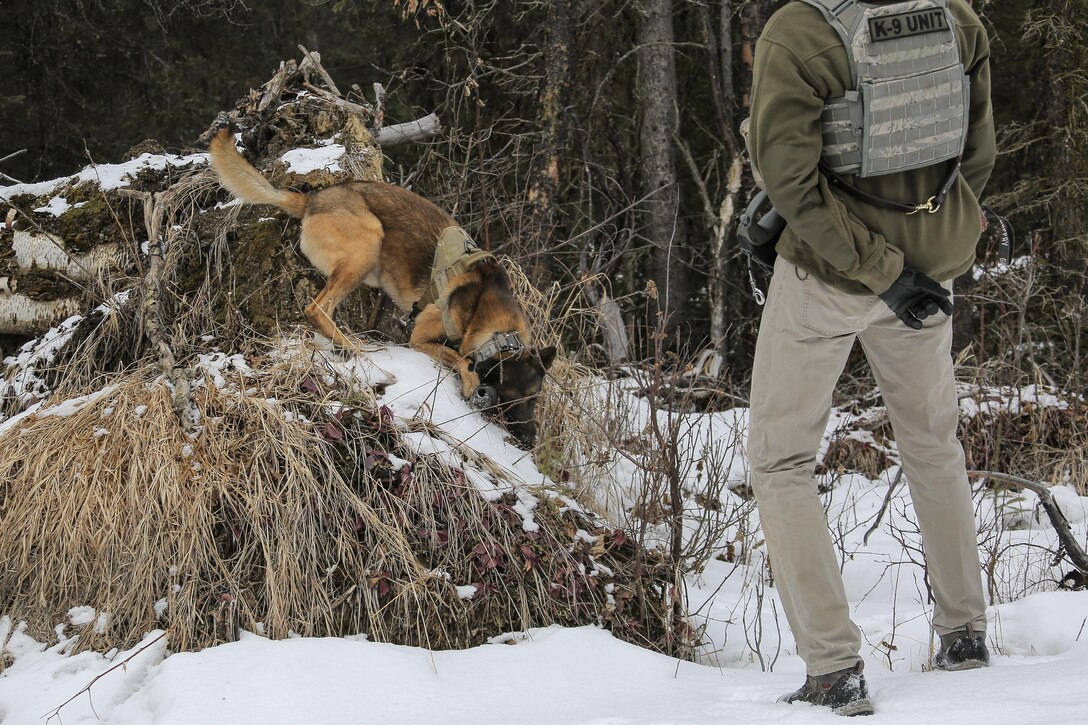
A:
(547, 356)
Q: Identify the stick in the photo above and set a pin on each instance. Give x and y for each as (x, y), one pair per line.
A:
(87, 687)
(316, 60)
(361, 110)
(11, 156)
(23, 151)
(1077, 557)
(273, 89)
(884, 506)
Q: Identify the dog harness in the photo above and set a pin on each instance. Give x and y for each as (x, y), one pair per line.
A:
(910, 103)
(454, 255)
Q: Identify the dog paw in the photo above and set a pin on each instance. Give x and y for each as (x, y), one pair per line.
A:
(469, 382)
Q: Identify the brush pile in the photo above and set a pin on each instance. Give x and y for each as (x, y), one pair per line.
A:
(169, 459)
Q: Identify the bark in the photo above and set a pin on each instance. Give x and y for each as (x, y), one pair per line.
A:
(545, 178)
(1065, 89)
(658, 99)
(719, 289)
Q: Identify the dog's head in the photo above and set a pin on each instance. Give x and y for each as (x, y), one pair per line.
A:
(517, 378)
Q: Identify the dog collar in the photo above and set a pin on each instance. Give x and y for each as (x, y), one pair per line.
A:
(500, 342)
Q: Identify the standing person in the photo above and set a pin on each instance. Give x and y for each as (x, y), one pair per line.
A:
(873, 131)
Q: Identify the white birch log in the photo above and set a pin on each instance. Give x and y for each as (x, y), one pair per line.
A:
(416, 130)
(20, 315)
(38, 251)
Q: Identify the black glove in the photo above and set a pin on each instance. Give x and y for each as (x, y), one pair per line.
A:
(914, 297)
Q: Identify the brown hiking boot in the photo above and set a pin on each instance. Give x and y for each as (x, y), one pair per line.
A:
(963, 649)
(845, 692)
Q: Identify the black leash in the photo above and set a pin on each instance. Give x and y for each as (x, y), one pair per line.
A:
(931, 205)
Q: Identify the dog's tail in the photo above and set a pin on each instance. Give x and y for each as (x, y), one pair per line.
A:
(240, 178)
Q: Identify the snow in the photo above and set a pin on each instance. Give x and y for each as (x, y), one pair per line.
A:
(57, 206)
(584, 675)
(303, 161)
(547, 676)
(106, 176)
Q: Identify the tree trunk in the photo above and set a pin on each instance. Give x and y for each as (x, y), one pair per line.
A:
(545, 176)
(658, 99)
(1064, 89)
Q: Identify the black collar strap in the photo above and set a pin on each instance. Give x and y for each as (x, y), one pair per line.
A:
(499, 343)
(931, 205)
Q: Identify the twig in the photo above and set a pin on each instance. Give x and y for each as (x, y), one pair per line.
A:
(884, 506)
(363, 111)
(13, 154)
(315, 58)
(1077, 557)
(86, 688)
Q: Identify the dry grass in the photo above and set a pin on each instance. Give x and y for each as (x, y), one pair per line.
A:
(580, 425)
(283, 524)
(1041, 442)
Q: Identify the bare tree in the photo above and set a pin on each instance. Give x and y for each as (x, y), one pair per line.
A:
(658, 99)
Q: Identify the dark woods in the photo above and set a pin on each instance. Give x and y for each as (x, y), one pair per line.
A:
(593, 141)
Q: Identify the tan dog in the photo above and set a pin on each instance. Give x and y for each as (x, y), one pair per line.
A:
(384, 236)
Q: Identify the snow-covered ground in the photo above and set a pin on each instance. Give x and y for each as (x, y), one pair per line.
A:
(546, 676)
(556, 675)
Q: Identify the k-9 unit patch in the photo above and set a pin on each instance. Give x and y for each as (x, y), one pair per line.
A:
(904, 25)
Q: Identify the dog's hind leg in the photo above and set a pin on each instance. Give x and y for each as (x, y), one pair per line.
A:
(347, 256)
(319, 312)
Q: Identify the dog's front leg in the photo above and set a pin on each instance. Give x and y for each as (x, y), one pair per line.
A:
(425, 338)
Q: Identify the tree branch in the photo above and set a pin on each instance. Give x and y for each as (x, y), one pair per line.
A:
(1077, 557)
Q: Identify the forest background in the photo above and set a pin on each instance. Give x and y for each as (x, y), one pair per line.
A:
(593, 141)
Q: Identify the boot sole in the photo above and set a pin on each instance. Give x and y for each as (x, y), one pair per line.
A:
(857, 707)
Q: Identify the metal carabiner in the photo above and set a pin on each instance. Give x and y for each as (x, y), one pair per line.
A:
(757, 293)
(927, 206)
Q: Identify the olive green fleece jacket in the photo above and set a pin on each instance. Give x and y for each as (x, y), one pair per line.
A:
(800, 62)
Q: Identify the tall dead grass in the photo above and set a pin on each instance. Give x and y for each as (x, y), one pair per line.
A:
(298, 508)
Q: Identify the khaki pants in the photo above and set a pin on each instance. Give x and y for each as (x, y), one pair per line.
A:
(805, 337)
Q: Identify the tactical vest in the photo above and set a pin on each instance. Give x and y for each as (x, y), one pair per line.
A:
(910, 102)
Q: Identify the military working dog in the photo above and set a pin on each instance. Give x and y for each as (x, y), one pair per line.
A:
(384, 236)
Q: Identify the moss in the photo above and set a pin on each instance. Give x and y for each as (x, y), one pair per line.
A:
(147, 146)
(91, 224)
(80, 192)
(148, 179)
(23, 201)
(46, 287)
